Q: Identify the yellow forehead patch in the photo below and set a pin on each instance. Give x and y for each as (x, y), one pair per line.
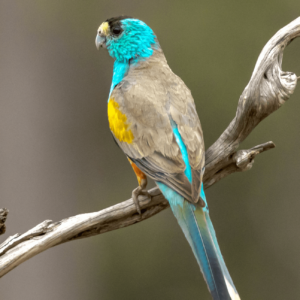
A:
(118, 122)
(104, 27)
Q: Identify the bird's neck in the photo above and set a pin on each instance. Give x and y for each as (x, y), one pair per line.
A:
(121, 68)
(119, 72)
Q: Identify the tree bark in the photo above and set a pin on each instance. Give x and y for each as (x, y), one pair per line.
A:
(268, 89)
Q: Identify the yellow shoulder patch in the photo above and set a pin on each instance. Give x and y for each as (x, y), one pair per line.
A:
(118, 122)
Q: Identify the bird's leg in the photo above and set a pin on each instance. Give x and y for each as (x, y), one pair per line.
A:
(140, 190)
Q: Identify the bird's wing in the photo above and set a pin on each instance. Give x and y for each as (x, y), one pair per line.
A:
(140, 111)
(183, 113)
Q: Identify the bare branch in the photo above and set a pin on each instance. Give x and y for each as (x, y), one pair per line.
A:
(19, 248)
(268, 89)
(239, 161)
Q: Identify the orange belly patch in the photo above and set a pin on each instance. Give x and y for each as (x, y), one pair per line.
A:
(118, 122)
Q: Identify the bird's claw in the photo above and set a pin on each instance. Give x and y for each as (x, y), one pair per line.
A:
(135, 194)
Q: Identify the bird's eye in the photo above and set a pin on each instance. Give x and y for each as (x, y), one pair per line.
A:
(117, 30)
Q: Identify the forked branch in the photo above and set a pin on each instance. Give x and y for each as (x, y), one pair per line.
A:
(268, 89)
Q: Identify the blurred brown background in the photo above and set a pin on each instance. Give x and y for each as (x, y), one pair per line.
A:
(57, 157)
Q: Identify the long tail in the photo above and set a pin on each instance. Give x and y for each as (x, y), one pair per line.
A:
(198, 230)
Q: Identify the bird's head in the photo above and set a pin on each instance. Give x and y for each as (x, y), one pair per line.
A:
(126, 38)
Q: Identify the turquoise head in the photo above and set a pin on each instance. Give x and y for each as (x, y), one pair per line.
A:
(126, 39)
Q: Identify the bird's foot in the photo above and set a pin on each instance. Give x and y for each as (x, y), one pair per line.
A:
(135, 194)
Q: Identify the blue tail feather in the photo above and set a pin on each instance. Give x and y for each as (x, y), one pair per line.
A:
(198, 230)
(222, 262)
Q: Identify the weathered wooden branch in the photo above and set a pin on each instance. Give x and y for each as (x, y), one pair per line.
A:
(268, 89)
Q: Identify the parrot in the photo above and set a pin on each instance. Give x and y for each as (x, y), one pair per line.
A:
(153, 119)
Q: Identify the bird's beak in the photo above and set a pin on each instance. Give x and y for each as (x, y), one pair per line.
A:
(100, 41)
(102, 32)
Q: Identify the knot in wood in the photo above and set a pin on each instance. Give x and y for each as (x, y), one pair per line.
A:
(244, 159)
